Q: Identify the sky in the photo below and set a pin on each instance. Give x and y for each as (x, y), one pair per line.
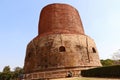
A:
(19, 25)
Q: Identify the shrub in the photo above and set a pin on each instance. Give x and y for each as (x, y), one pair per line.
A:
(108, 71)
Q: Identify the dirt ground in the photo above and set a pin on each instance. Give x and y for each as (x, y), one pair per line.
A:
(85, 78)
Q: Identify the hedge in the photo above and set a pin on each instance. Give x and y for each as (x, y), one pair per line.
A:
(108, 71)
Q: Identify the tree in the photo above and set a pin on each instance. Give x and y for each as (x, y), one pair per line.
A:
(116, 55)
(107, 62)
(6, 74)
(18, 71)
(6, 69)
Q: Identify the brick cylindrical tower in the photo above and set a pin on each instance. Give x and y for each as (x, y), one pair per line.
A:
(59, 18)
(61, 47)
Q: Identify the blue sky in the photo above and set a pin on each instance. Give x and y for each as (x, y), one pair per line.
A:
(19, 25)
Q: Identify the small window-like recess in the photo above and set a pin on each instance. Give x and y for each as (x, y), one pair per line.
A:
(45, 60)
(93, 49)
(69, 74)
(29, 55)
(46, 66)
(62, 49)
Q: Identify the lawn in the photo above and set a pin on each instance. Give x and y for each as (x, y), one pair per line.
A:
(84, 78)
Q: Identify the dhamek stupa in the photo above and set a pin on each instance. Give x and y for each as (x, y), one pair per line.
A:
(61, 47)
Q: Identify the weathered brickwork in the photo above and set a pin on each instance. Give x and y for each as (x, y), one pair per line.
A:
(61, 45)
(58, 18)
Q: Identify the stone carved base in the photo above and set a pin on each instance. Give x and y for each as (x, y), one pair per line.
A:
(58, 73)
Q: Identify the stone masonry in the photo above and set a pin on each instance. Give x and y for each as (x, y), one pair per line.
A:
(61, 46)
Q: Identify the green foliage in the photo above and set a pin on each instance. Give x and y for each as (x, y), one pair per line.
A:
(6, 74)
(6, 69)
(107, 62)
(108, 71)
(110, 62)
(17, 72)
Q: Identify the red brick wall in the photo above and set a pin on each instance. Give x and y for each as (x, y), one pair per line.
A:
(60, 18)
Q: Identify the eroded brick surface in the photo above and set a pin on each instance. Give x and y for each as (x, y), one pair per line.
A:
(61, 45)
(59, 18)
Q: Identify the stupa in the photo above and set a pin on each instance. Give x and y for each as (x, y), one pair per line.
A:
(61, 48)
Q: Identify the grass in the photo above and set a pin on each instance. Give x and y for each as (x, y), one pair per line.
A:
(84, 78)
